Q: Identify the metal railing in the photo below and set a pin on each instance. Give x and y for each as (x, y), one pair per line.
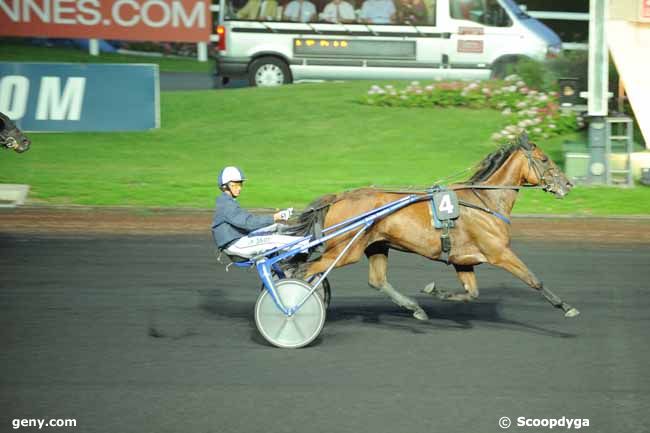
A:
(562, 16)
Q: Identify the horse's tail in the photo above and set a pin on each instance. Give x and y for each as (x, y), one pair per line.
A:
(311, 220)
(310, 223)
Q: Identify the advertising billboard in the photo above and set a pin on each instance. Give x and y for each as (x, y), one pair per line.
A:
(80, 97)
(146, 20)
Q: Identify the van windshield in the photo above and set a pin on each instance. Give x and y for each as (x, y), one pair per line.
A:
(395, 12)
(515, 9)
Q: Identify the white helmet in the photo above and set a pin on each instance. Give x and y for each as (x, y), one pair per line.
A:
(231, 174)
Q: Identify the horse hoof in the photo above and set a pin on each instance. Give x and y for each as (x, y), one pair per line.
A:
(430, 288)
(571, 312)
(421, 315)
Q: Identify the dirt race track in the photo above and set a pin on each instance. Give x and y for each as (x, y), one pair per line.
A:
(151, 221)
(123, 321)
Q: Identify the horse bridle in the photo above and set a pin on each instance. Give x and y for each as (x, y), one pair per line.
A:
(541, 172)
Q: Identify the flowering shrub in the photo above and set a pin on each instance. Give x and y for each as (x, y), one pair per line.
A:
(523, 108)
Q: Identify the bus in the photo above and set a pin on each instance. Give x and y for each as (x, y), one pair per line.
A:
(275, 42)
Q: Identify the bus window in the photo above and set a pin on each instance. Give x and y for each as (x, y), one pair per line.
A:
(412, 12)
(299, 11)
(257, 10)
(339, 12)
(401, 12)
(378, 12)
(487, 12)
(431, 12)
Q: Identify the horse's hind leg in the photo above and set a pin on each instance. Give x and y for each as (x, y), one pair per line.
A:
(377, 279)
(509, 261)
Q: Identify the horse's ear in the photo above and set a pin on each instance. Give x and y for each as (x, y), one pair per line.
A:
(523, 142)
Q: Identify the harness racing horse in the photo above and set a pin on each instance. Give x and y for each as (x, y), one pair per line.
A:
(11, 137)
(479, 235)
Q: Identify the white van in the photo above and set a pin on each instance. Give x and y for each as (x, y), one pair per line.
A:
(272, 43)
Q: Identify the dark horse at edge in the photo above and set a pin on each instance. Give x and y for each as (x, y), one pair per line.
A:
(11, 137)
(479, 237)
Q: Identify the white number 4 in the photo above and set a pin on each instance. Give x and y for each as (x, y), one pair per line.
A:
(445, 205)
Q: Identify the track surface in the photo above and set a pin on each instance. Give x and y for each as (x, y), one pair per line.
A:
(195, 81)
(77, 314)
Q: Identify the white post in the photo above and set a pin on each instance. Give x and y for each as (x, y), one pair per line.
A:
(598, 59)
(202, 51)
(93, 47)
(598, 87)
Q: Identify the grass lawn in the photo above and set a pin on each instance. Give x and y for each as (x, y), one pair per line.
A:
(17, 52)
(293, 142)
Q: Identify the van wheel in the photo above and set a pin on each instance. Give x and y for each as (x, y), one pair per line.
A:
(499, 70)
(268, 71)
(502, 67)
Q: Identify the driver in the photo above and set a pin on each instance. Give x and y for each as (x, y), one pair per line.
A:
(236, 231)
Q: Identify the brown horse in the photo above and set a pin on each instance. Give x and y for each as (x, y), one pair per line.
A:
(479, 236)
(11, 137)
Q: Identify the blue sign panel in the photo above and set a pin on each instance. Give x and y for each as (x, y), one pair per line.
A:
(80, 97)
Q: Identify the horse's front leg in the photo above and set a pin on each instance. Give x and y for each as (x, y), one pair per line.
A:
(378, 266)
(467, 279)
(508, 260)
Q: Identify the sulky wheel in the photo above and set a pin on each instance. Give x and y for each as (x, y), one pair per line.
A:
(294, 331)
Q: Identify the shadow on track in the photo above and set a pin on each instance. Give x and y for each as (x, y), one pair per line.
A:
(444, 316)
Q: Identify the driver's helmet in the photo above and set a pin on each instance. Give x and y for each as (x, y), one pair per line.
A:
(231, 174)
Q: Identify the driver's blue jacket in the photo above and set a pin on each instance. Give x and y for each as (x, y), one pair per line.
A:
(231, 222)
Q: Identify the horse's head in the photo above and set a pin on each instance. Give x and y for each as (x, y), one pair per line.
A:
(11, 137)
(542, 170)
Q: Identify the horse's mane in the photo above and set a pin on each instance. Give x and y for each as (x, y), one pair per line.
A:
(491, 163)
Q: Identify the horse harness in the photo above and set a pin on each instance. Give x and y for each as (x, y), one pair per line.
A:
(442, 200)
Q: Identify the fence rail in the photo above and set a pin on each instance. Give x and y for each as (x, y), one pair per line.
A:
(562, 16)
(567, 16)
